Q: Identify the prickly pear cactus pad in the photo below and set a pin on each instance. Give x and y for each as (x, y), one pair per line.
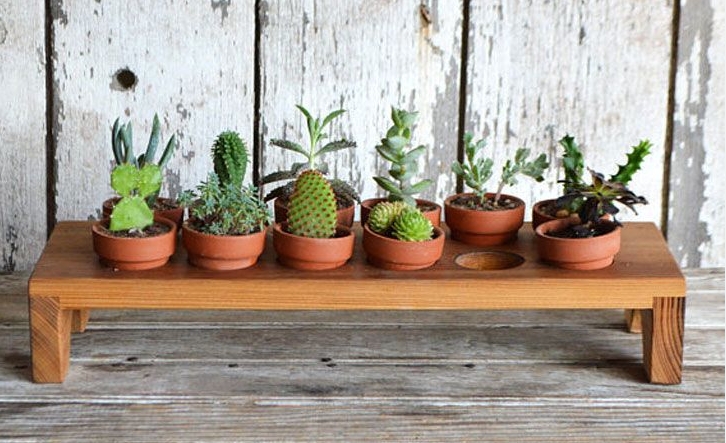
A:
(383, 214)
(412, 225)
(311, 212)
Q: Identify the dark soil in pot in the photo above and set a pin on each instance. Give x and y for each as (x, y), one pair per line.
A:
(468, 201)
(584, 231)
(150, 231)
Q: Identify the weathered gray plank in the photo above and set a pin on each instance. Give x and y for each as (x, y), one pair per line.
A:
(385, 378)
(364, 57)
(697, 183)
(495, 420)
(194, 67)
(22, 135)
(365, 343)
(596, 70)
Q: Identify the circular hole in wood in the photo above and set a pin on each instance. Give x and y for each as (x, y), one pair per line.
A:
(488, 260)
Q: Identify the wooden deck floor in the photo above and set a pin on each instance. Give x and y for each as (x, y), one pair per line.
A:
(353, 376)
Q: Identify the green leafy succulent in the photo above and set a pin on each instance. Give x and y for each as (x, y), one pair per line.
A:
(477, 170)
(134, 185)
(401, 221)
(394, 148)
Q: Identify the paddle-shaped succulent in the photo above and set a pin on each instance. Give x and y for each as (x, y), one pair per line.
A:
(311, 211)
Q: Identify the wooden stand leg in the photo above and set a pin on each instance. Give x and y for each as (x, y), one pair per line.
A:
(633, 321)
(80, 320)
(50, 339)
(663, 340)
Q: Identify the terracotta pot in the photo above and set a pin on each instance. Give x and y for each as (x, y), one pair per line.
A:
(134, 254)
(398, 255)
(538, 215)
(312, 254)
(577, 253)
(176, 215)
(345, 215)
(222, 252)
(484, 228)
(434, 215)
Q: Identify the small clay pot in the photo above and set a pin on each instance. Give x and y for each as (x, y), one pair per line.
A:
(176, 215)
(577, 253)
(539, 216)
(434, 215)
(484, 228)
(344, 215)
(134, 254)
(312, 254)
(398, 255)
(222, 252)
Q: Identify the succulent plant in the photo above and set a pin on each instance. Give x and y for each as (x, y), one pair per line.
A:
(344, 193)
(122, 145)
(311, 211)
(134, 185)
(400, 221)
(477, 170)
(403, 161)
(383, 214)
(412, 225)
(574, 166)
(230, 158)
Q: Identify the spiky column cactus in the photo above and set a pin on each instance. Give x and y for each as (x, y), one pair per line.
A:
(311, 212)
(230, 158)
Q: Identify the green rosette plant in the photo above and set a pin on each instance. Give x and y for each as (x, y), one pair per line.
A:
(400, 221)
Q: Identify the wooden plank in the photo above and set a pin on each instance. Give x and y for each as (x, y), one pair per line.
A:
(50, 332)
(363, 344)
(705, 310)
(696, 209)
(663, 340)
(644, 269)
(540, 70)
(23, 224)
(193, 65)
(364, 57)
(366, 420)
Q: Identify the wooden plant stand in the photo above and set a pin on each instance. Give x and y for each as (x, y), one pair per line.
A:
(68, 281)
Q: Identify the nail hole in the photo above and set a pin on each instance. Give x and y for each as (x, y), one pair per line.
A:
(488, 260)
(233, 365)
(132, 359)
(124, 79)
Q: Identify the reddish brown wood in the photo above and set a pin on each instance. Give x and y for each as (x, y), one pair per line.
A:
(663, 340)
(80, 320)
(68, 269)
(50, 339)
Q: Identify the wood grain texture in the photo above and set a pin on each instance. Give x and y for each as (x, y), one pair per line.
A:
(697, 183)
(643, 269)
(79, 320)
(364, 57)
(634, 321)
(23, 225)
(540, 70)
(194, 67)
(663, 340)
(50, 331)
(439, 376)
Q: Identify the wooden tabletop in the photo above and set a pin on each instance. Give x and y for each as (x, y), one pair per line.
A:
(644, 269)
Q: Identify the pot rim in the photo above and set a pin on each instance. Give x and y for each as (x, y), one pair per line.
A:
(186, 227)
(105, 222)
(449, 199)
(438, 232)
(543, 232)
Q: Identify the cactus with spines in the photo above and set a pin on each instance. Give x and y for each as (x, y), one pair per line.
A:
(400, 221)
(230, 158)
(383, 214)
(412, 225)
(311, 212)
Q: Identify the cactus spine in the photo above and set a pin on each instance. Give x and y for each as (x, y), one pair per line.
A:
(230, 158)
(311, 212)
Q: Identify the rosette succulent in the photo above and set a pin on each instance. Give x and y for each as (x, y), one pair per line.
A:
(400, 221)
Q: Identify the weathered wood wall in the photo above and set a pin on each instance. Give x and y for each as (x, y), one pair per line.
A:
(531, 71)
